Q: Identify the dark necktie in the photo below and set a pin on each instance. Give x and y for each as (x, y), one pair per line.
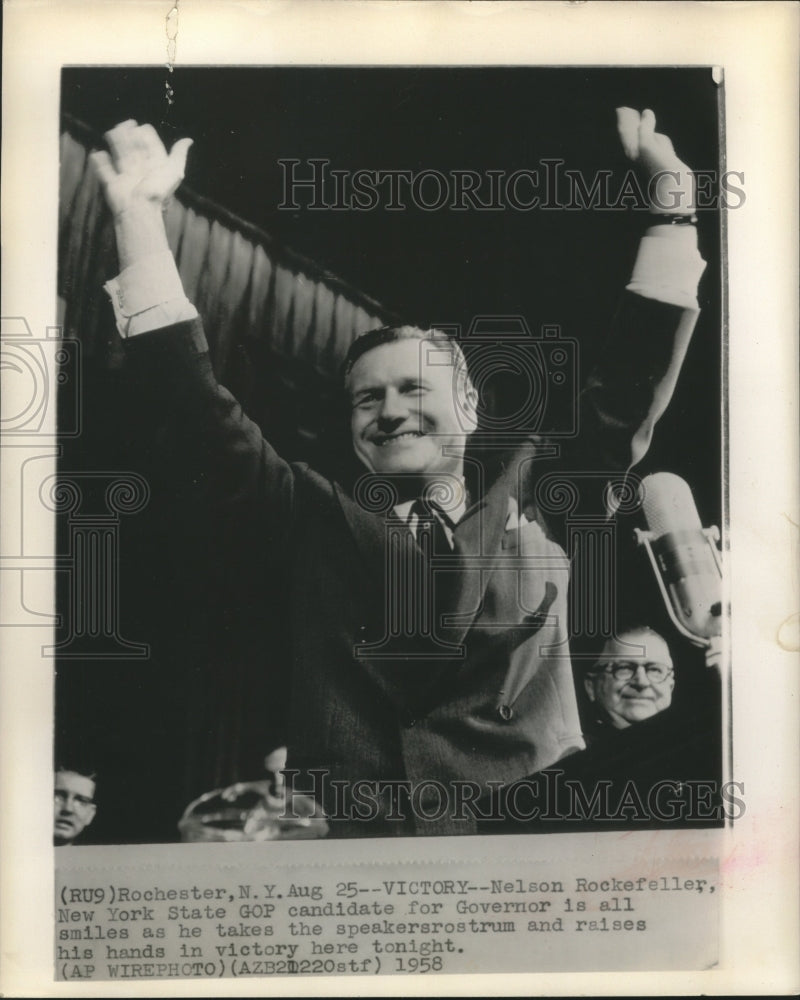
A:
(430, 513)
(444, 583)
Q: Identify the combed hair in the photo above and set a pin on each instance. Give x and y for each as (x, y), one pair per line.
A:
(389, 334)
(76, 768)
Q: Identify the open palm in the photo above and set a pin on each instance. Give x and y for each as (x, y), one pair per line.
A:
(138, 170)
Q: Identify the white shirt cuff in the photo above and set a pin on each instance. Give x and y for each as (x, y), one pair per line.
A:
(668, 267)
(148, 295)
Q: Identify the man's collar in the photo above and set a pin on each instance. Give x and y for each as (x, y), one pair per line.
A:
(453, 507)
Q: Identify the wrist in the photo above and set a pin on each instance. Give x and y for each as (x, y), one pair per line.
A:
(672, 218)
(148, 294)
(668, 266)
(140, 233)
(672, 192)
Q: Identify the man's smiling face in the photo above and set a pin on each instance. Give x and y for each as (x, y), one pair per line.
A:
(627, 700)
(411, 412)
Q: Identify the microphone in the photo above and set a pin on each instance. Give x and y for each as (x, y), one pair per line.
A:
(684, 556)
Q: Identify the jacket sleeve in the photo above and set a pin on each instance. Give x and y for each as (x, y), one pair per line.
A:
(632, 384)
(206, 452)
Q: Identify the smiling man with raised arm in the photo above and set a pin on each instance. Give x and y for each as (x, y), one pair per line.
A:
(428, 659)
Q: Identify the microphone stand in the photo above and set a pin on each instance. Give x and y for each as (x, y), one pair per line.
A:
(711, 644)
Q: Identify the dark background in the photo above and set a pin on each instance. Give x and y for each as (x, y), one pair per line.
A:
(152, 728)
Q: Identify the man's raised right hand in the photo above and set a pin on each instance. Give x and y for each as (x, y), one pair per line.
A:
(138, 172)
(138, 178)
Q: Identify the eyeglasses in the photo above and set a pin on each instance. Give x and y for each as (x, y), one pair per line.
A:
(656, 672)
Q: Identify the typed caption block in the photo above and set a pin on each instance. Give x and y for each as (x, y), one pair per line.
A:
(255, 915)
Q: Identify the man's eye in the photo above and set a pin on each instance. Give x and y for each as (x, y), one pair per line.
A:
(363, 401)
(414, 390)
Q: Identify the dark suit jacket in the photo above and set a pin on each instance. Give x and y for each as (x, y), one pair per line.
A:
(663, 772)
(488, 696)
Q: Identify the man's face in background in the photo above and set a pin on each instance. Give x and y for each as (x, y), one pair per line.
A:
(626, 688)
(74, 806)
(412, 412)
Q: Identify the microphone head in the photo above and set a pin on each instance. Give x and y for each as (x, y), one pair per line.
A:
(668, 504)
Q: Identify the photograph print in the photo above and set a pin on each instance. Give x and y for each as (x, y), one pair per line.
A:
(396, 503)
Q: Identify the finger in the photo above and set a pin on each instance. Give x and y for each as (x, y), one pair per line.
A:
(628, 120)
(128, 124)
(178, 155)
(303, 807)
(232, 792)
(172, 171)
(149, 141)
(294, 822)
(663, 144)
(647, 126)
(120, 138)
(103, 167)
(274, 803)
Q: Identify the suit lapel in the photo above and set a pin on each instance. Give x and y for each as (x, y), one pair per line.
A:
(478, 538)
(368, 532)
(418, 685)
(399, 665)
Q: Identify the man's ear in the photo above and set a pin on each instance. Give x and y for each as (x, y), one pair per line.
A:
(469, 405)
(92, 810)
(588, 685)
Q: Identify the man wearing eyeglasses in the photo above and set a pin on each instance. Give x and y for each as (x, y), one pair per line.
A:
(647, 761)
(633, 678)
